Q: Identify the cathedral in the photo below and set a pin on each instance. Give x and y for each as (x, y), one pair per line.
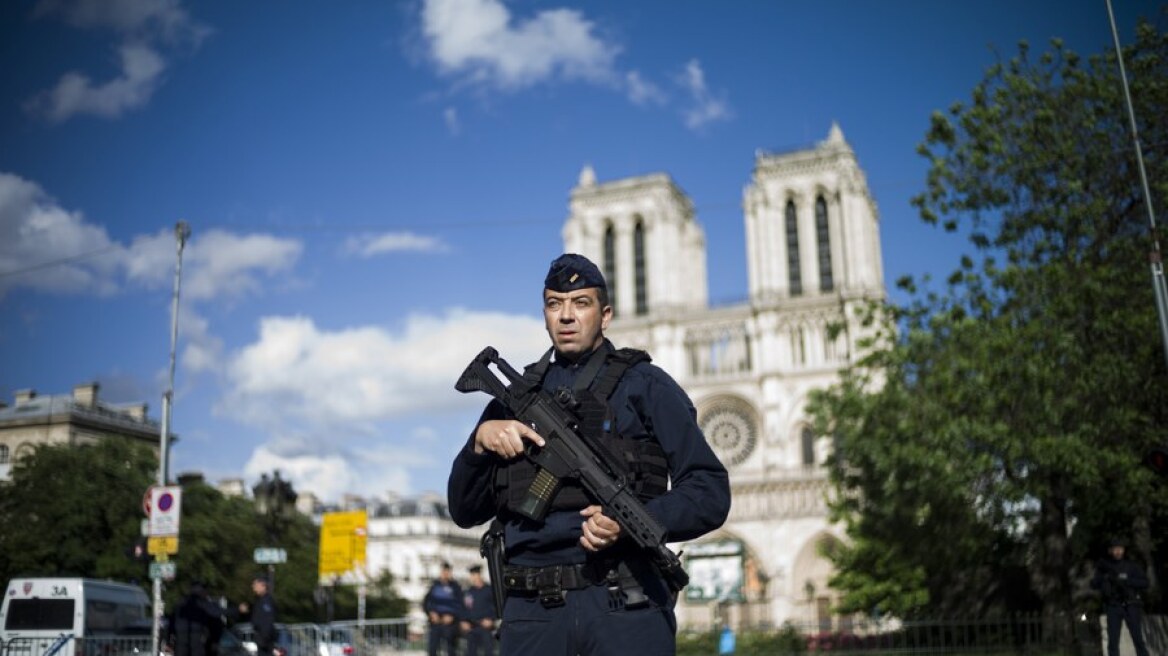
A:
(813, 262)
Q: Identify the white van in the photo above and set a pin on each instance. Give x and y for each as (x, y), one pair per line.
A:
(73, 617)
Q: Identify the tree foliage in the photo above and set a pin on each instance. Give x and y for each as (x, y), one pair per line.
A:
(77, 511)
(992, 437)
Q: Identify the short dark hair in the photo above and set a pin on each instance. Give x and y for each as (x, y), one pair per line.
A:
(475, 569)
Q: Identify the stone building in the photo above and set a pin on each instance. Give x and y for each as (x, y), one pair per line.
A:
(813, 261)
(75, 419)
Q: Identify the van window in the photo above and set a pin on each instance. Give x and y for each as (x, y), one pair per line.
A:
(31, 614)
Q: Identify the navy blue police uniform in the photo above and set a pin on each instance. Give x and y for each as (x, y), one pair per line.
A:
(592, 612)
(443, 600)
(1122, 583)
(479, 609)
(263, 621)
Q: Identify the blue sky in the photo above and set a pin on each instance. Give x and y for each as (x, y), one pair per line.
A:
(375, 189)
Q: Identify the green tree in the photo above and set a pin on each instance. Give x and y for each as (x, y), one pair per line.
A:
(997, 426)
(75, 511)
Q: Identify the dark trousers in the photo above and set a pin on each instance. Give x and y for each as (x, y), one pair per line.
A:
(480, 642)
(587, 624)
(1133, 614)
(443, 637)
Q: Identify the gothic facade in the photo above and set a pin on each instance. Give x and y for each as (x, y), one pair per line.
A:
(813, 260)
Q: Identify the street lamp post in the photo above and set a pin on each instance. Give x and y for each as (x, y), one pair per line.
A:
(182, 231)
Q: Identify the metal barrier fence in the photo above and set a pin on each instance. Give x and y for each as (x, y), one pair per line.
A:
(67, 645)
(347, 638)
(1015, 634)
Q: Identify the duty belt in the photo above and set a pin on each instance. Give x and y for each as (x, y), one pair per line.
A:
(551, 581)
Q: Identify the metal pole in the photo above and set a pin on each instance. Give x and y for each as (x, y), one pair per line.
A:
(1159, 287)
(182, 231)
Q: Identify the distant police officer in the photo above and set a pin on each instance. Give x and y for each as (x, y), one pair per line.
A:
(478, 616)
(443, 605)
(1121, 582)
(574, 585)
(263, 616)
(197, 624)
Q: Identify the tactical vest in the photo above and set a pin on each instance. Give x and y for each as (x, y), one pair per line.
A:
(645, 467)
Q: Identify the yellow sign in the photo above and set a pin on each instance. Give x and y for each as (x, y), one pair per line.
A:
(165, 545)
(343, 536)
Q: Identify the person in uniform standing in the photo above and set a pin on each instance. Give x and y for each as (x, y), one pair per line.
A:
(263, 616)
(575, 584)
(443, 606)
(197, 624)
(478, 617)
(1121, 582)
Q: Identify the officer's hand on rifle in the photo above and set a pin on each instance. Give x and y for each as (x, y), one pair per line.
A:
(504, 437)
(600, 531)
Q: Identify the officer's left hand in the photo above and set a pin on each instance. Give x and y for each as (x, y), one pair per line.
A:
(600, 531)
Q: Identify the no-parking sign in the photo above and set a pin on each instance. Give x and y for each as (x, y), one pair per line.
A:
(165, 506)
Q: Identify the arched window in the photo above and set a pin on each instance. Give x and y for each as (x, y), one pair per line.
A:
(808, 440)
(639, 268)
(823, 235)
(610, 265)
(3, 454)
(794, 277)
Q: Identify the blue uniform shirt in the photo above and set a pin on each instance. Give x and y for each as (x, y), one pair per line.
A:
(648, 404)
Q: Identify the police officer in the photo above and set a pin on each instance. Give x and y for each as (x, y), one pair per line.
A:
(1121, 583)
(197, 624)
(263, 616)
(443, 605)
(478, 616)
(574, 583)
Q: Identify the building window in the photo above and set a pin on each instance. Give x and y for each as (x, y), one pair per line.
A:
(794, 278)
(824, 237)
(639, 268)
(808, 440)
(610, 265)
(3, 454)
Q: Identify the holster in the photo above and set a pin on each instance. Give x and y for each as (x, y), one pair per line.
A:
(492, 548)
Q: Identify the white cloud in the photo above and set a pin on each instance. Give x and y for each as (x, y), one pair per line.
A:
(48, 248)
(166, 18)
(641, 91)
(706, 108)
(143, 26)
(216, 264)
(450, 117)
(75, 93)
(479, 40)
(296, 374)
(333, 403)
(394, 242)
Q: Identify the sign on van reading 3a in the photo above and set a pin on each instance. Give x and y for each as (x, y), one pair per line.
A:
(270, 556)
(165, 507)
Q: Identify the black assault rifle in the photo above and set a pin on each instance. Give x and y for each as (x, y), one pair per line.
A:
(566, 454)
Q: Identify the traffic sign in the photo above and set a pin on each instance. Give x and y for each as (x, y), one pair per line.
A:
(156, 546)
(165, 508)
(343, 537)
(146, 500)
(165, 570)
(270, 556)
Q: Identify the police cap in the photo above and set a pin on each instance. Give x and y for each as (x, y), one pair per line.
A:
(570, 272)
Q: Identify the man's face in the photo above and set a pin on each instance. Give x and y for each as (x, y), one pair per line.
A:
(1116, 551)
(575, 320)
(259, 587)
